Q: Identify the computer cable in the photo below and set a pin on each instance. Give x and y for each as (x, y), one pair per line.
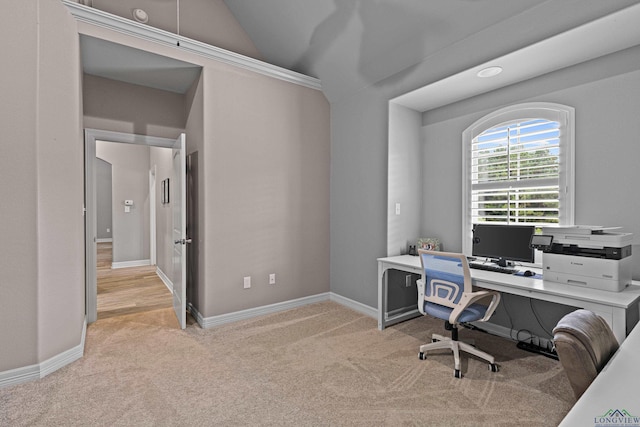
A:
(504, 304)
(535, 314)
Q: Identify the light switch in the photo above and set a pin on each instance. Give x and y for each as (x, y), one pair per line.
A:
(397, 208)
(127, 209)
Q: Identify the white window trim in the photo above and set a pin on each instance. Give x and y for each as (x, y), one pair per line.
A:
(563, 114)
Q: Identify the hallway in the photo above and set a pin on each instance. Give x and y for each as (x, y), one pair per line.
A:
(128, 290)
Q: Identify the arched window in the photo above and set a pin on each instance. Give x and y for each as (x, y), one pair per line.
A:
(518, 168)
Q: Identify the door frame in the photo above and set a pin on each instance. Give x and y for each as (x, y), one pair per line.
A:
(152, 215)
(179, 229)
(90, 138)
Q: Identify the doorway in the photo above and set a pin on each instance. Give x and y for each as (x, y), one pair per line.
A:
(140, 270)
(131, 282)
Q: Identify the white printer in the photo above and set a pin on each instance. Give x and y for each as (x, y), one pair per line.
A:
(587, 256)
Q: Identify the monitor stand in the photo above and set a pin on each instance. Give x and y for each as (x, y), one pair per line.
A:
(502, 262)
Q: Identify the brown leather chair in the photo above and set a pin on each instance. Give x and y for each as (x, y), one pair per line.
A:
(584, 343)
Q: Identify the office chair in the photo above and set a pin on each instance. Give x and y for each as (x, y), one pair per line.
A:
(445, 292)
(584, 343)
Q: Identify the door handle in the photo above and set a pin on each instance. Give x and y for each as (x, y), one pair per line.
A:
(182, 241)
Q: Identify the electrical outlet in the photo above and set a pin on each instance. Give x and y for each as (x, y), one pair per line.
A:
(272, 279)
(247, 282)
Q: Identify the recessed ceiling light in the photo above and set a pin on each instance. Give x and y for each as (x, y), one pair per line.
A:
(489, 71)
(140, 16)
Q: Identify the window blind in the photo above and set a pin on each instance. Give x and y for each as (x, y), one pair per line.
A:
(515, 173)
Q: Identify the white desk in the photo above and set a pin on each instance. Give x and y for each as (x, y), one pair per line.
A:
(614, 389)
(612, 306)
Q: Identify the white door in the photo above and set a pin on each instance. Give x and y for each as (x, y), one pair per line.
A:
(179, 207)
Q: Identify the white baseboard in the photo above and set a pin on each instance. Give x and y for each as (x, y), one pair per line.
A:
(19, 375)
(167, 282)
(354, 305)
(105, 240)
(134, 263)
(41, 370)
(196, 314)
(213, 321)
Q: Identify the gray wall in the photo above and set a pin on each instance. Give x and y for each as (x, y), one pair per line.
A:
(264, 175)
(104, 202)
(160, 158)
(42, 269)
(359, 150)
(18, 162)
(405, 179)
(602, 92)
(132, 230)
(123, 107)
(265, 167)
(130, 178)
(266, 184)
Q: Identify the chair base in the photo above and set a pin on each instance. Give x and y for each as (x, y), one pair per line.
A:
(440, 342)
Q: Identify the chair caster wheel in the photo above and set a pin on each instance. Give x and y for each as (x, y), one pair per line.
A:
(457, 374)
(493, 367)
(422, 356)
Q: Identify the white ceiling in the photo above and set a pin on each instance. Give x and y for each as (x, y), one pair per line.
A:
(606, 35)
(354, 44)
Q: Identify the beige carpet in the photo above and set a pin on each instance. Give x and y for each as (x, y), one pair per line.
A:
(319, 365)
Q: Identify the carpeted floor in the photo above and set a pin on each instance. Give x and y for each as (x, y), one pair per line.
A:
(319, 365)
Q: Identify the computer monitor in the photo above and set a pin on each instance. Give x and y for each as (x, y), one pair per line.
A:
(503, 243)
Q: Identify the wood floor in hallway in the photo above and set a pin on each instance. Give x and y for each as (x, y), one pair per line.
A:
(128, 290)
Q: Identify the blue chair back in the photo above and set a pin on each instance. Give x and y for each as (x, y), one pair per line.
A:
(446, 277)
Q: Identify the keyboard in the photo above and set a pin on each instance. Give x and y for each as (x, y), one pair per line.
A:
(492, 267)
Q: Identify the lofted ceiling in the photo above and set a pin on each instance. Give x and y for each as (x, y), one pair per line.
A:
(353, 44)
(350, 45)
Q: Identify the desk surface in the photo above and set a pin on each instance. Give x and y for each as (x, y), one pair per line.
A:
(612, 306)
(615, 389)
(513, 282)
